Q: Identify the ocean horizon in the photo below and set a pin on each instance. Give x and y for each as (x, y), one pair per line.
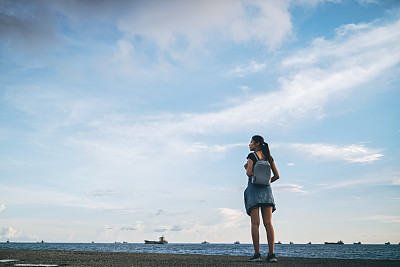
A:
(345, 251)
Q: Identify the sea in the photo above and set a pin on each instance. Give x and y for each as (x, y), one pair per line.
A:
(346, 251)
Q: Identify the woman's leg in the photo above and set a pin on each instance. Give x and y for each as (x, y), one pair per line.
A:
(255, 223)
(267, 220)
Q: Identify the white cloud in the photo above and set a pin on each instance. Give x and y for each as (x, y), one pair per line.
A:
(231, 218)
(221, 224)
(327, 71)
(355, 153)
(245, 89)
(16, 235)
(181, 31)
(350, 183)
(252, 67)
(291, 188)
(267, 22)
(333, 69)
(355, 45)
(372, 179)
(177, 29)
(351, 28)
(368, 2)
(396, 180)
(310, 3)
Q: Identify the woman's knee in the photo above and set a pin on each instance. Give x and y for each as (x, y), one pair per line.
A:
(267, 223)
(255, 222)
(255, 218)
(267, 216)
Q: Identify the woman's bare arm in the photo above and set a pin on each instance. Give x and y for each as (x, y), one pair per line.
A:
(275, 172)
(249, 169)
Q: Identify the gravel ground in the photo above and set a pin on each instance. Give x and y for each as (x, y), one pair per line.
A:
(14, 257)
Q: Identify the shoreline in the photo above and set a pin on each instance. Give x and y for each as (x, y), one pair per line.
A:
(88, 258)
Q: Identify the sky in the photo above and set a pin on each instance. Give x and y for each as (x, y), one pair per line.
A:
(128, 120)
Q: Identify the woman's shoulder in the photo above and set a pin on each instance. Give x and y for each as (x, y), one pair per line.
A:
(251, 156)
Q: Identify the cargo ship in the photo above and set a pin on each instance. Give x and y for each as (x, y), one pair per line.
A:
(161, 240)
(333, 243)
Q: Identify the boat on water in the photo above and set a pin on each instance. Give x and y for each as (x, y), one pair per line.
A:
(309, 243)
(340, 242)
(279, 242)
(236, 242)
(357, 243)
(205, 242)
(161, 240)
(387, 243)
(291, 243)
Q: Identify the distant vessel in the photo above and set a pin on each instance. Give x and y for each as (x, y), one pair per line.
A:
(387, 243)
(161, 240)
(279, 242)
(358, 243)
(236, 242)
(205, 242)
(291, 243)
(309, 243)
(333, 243)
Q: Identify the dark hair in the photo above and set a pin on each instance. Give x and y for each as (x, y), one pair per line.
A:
(257, 139)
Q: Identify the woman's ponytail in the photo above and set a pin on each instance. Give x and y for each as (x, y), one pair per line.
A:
(263, 146)
(267, 153)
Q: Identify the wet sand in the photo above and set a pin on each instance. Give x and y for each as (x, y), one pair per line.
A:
(14, 257)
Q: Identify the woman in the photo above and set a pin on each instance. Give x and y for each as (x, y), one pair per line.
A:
(258, 197)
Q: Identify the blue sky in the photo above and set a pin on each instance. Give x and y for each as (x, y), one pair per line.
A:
(125, 120)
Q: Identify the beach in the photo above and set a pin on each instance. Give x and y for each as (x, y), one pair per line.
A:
(15, 257)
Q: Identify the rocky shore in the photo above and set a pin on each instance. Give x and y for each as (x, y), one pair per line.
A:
(47, 258)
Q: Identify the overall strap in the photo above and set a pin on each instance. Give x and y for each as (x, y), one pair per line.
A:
(257, 158)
